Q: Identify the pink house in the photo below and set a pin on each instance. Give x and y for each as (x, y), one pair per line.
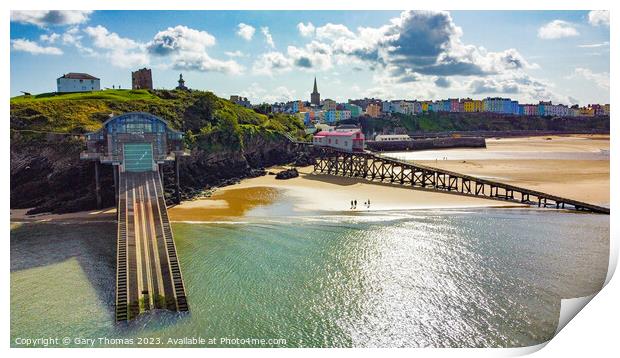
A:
(349, 141)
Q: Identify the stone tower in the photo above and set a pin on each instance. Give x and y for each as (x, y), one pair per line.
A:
(142, 79)
(315, 96)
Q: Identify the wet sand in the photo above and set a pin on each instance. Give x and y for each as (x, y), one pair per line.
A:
(579, 179)
(312, 193)
(568, 175)
(585, 180)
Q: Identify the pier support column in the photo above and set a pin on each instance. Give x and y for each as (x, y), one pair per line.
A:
(177, 188)
(97, 185)
(116, 188)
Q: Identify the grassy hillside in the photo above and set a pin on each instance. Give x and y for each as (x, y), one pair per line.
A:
(440, 122)
(227, 142)
(199, 114)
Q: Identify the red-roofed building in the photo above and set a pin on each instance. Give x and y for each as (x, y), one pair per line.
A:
(77, 82)
(349, 141)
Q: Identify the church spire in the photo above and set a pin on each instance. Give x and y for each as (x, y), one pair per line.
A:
(315, 97)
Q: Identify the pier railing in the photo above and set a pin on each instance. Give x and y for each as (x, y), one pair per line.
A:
(372, 167)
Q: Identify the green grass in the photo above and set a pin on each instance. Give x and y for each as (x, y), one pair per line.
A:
(199, 114)
(110, 94)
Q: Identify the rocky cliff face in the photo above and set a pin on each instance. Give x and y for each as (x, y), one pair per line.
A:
(48, 176)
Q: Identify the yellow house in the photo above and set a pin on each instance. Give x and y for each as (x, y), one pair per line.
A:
(373, 110)
(424, 106)
(586, 112)
(468, 105)
(478, 105)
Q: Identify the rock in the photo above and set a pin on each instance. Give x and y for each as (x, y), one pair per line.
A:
(271, 173)
(287, 174)
(304, 159)
(257, 173)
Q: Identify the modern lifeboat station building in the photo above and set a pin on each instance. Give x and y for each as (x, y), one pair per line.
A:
(134, 142)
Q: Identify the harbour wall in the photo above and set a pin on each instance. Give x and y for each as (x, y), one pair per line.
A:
(426, 143)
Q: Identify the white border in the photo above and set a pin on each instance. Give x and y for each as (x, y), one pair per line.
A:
(594, 330)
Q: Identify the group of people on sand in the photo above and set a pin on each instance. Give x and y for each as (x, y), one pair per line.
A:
(354, 204)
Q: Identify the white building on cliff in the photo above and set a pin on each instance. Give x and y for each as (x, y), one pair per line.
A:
(77, 82)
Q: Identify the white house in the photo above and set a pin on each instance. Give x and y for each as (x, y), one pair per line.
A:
(350, 141)
(77, 82)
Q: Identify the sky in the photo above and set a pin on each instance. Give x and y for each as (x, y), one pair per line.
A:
(271, 56)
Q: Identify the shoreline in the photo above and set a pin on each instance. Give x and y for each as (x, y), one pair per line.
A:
(584, 180)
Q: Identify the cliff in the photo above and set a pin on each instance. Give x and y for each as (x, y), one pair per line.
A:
(227, 142)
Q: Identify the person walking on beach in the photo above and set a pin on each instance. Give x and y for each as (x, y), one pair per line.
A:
(369, 203)
(355, 203)
(351, 204)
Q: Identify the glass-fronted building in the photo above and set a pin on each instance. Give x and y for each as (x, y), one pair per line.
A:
(136, 141)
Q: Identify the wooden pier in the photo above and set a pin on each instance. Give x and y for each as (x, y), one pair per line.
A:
(148, 274)
(372, 167)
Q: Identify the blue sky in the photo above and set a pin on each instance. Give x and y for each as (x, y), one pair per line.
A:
(274, 55)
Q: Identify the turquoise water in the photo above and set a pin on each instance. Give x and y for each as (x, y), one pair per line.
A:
(453, 278)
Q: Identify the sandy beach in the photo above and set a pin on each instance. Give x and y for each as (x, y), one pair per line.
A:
(318, 193)
(576, 178)
(580, 179)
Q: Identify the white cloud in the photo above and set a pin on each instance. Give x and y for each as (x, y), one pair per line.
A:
(598, 17)
(202, 62)
(333, 31)
(102, 38)
(271, 62)
(71, 36)
(180, 39)
(313, 56)
(45, 18)
(49, 38)
(234, 53)
(246, 31)
(120, 51)
(268, 37)
(257, 94)
(521, 85)
(32, 47)
(557, 29)
(185, 48)
(600, 79)
(306, 30)
(602, 44)
(417, 52)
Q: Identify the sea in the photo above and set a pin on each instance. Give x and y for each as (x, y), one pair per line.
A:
(427, 278)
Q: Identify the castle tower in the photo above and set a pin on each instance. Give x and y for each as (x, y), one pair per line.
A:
(315, 96)
(142, 79)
